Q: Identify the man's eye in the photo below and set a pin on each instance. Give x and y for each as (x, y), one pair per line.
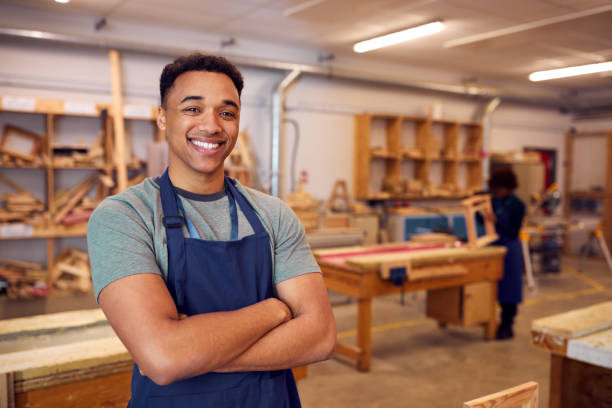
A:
(191, 110)
(228, 115)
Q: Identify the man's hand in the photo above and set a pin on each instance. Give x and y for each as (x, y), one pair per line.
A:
(489, 216)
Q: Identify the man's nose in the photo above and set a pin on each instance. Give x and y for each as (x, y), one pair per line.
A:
(209, 123)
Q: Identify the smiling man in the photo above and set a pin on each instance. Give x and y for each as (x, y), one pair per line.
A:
(210, 285)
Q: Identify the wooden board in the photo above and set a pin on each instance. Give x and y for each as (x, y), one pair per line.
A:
(48, 361)
(50, 322)
(524, 395)
(374, 261)
(576, 323)
(433, 272)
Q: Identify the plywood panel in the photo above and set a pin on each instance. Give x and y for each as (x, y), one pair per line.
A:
(50, 322)
(111, 391)
(476, 301)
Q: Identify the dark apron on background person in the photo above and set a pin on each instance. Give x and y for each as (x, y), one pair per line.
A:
(212, 276)
(510, 287)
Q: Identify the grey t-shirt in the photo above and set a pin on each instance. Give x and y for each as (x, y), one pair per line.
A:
(126, 236)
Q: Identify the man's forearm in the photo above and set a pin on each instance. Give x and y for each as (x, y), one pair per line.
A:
(302, 340)
(178, 349)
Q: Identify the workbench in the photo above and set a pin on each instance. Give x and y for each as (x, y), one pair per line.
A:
(68, 360)
(580, 343)
(449, 275)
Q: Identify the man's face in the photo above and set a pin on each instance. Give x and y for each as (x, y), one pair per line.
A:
(201, 119)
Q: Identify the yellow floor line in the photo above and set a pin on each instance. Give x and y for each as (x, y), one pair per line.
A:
(595, 287)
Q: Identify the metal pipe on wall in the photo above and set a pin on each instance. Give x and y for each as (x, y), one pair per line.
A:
(278, 113)
(485, 119)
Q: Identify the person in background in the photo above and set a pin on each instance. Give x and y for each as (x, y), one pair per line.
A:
(509, 213)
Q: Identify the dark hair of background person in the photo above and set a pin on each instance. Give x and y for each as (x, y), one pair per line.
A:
(197, 62)
(503, 178)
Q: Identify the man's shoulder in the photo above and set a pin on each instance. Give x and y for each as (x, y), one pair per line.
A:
(139, 198)
(262, 201)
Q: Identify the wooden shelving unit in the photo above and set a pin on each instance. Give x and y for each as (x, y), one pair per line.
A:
(571, 191)
(456, 148)
(52, 110)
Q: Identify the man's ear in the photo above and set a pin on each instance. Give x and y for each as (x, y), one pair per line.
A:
(161, 118)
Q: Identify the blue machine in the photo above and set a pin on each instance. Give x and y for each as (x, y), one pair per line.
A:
(450, 223)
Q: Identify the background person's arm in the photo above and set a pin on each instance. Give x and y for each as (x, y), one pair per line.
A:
(168, 348)
(307, 338)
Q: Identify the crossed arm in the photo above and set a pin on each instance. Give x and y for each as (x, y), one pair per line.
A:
(296, 329)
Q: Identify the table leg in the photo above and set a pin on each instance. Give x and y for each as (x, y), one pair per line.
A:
(491, 326)
(364, 333)
(556, 381)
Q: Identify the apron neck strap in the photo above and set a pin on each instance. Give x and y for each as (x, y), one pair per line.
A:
(245, 206)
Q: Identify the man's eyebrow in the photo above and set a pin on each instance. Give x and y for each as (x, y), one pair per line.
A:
(191, 98)
(231, 103)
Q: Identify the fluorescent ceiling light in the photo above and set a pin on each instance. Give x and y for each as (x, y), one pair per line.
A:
(62, 1)
(570, 71)
(399, 37)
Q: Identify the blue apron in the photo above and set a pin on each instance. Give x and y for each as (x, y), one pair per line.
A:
(510, 287)
(212, 276)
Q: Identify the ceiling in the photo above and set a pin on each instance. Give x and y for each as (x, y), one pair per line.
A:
(514, 37)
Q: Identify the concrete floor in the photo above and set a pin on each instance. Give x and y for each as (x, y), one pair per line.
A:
(414, 363)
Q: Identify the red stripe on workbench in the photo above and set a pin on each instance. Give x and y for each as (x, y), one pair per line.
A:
(381, 251)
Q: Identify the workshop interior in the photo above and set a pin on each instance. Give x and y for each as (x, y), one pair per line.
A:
(449, 161)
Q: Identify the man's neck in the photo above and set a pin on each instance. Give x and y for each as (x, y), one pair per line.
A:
(197, 183)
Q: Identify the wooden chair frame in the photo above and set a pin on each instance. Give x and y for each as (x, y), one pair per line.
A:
(479, 203)
(522, 395)
(11, 133)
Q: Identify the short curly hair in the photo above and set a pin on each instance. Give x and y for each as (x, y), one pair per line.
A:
(503, 178)
(197, 62)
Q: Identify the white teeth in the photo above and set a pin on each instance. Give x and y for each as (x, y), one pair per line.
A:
(205, 145)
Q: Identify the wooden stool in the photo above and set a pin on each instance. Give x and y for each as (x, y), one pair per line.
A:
(524, 395)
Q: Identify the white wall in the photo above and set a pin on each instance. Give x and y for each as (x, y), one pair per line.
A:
(515, 127)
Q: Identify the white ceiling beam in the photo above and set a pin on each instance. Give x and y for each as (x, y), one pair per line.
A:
(301, 7)
(526, 26)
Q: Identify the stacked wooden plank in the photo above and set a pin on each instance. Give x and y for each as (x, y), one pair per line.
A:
(20, 205)
(304, 206)
(20, 148)
(71, 271)
(241, 161)
(22, 280)
(78, 156)
(72, 205)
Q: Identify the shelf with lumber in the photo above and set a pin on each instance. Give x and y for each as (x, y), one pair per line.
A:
(395, 157)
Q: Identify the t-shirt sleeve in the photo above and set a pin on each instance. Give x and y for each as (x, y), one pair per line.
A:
(119, 244)
(293, 256)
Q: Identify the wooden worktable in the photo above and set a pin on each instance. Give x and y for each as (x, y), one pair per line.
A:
(357, 271)
(580, 343)
(67, 360)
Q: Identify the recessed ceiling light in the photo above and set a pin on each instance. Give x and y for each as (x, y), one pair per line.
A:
(62, 1)
(570, 71)
(399, 37)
